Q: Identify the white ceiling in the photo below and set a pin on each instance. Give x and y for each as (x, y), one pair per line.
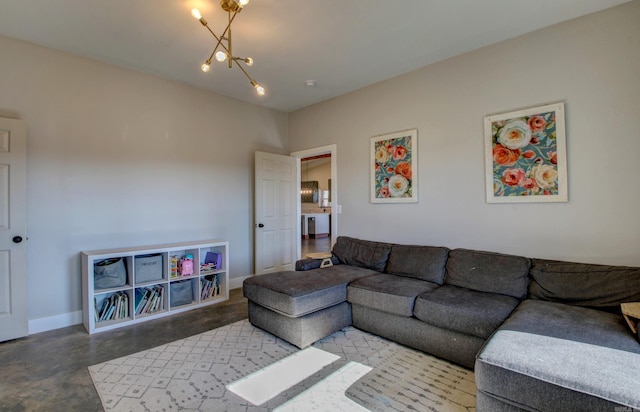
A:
(342, 45)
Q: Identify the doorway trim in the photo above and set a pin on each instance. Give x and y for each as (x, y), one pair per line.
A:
(335, 208)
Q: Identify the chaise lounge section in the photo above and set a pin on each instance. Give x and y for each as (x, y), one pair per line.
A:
(567, 347)
(541, 335)
(302, 307)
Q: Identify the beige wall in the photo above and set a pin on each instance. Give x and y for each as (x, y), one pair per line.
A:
(321, 173)
(118, 158)
(591, 63)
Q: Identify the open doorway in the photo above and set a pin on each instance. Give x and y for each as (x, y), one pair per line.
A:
(315, 198)
(317, 215)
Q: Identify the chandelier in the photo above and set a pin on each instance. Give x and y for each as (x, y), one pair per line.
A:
(223, 49)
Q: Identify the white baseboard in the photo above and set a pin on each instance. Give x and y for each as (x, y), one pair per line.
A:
(75, 318)
(55, 322)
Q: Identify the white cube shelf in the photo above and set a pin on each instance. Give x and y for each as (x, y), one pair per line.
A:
(158, 290)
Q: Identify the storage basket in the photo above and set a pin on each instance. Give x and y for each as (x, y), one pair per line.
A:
(181, 293)
(148, 268)
(109, 273)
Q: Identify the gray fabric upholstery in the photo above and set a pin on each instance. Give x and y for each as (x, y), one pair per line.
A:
(552, 356)
(362, 253)
(388, 293)
(567, 322)
(308, 264)
(581, 284)
(489, 403)
(420, 262)
(304, 330)
(533, 394)
(488, 272)
(299, 293)
(453, 346)
(464, 310)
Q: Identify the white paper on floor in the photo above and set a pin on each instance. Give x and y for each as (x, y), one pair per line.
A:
(268, 382)
(329, 394)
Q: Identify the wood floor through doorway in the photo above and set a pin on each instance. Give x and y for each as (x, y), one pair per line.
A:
(312, 245)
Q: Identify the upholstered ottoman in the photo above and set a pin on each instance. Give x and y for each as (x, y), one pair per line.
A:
(304, 306)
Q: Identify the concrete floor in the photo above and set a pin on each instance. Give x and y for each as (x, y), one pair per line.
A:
(48, 371)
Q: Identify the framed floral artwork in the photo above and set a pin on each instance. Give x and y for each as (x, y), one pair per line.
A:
(394, 167)
(526, 156)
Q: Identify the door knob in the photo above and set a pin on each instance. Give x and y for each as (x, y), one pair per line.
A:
(260, 225)
(17, 239)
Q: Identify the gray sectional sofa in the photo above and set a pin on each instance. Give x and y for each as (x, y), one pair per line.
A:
(541, 335)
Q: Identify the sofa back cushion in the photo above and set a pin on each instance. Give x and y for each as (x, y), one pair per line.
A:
(581, 284)
(488, 272)
(420, 262)
(362, 253)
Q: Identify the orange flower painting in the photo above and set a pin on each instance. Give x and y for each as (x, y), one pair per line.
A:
(525, 155)
(394, 168)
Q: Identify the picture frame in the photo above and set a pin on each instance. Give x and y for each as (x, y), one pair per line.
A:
(394, 167)
(526, 155)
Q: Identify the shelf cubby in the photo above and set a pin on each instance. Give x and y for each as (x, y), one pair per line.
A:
(112, 307)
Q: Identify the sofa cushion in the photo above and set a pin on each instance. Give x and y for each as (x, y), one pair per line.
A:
(464, 310)
(447, 344)
(299, 293)
(560, 357)
(362, 253)
(420, 262)
(388, 293)
(581, 284)
(488, 272)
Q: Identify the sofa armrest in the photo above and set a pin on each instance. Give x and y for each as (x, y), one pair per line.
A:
(308, 264)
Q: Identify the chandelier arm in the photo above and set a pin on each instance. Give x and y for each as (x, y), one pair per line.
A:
(219, 39)
(219, 43)
(228, 28)
(245, 72)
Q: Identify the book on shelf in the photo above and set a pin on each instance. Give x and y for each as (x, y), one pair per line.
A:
(141, 295)
(124, 309)
(210, 288)
(149, 299)
(115, 306)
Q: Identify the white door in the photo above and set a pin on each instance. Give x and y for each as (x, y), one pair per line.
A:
(13, 217)
(276, 221)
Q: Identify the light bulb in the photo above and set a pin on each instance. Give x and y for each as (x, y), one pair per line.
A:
(249, 61)
(243, 2)
(221, 56)
(206, 66)
(196, 13)
(260, 90)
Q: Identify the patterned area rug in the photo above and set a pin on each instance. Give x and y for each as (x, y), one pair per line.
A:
(192, 374)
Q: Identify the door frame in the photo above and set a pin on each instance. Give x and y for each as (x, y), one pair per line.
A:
(335, 208)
